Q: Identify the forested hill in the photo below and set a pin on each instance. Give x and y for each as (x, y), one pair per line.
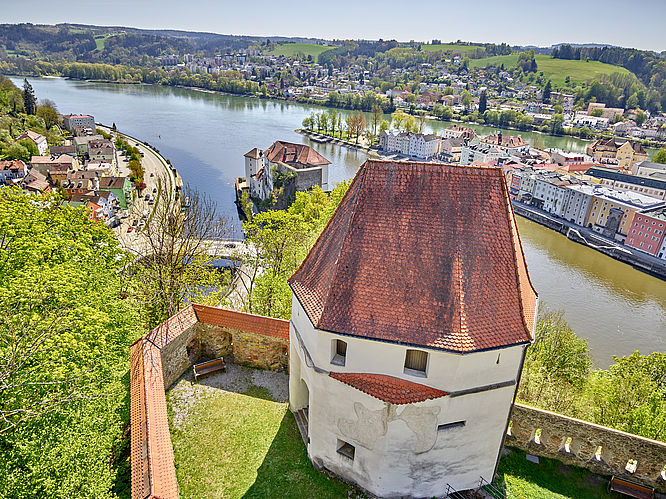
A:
(133, 46)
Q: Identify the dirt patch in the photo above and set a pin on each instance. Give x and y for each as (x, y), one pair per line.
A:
(185, 394)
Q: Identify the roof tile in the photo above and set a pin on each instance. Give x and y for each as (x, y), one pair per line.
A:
(389, 388)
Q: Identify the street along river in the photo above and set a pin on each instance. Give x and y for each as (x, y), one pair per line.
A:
(617, 308)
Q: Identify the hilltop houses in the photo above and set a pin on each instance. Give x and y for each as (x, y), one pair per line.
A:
(409, 314)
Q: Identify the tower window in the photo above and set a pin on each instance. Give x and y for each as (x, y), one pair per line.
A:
(339, 353)
(346, 449)
(416, 362)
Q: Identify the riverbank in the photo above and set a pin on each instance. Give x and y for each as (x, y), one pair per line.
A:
(587, 237)
(322, 138)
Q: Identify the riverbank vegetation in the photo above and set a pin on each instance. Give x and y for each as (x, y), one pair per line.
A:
(558, 375)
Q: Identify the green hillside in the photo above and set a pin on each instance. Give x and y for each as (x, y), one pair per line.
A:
(555, 69)
(294, 49)
(450, 47)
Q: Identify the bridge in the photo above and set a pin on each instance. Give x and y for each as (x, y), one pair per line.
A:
(219, 249)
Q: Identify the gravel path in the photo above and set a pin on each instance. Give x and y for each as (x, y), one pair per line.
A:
(185, 393)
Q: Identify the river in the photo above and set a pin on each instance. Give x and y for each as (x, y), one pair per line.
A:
(615, 307)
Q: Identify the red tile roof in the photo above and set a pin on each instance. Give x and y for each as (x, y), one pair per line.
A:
(266, 326)
(287, 152)
(153, 470)
(173, 327)
(389, 388)
(422, 254)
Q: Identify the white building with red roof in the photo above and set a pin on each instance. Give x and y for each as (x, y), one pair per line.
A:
(410, 320)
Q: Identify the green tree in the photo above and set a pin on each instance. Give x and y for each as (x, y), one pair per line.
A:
(68, 320)
(17, 151)
(29, 100)
(483, 102)
(660, 156)
(640, 118)
(384, 125)
(597, 112)
(556, 365)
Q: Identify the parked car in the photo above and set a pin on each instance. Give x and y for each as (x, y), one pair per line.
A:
(146, 197)
(230, 245)
(154, 190)
(130, 228)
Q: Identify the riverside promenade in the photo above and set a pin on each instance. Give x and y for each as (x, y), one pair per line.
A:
(585, 236)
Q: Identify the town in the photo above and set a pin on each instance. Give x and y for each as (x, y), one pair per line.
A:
(348, 255)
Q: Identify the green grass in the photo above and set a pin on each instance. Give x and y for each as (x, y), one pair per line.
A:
(245, 445)
(100, 40)
(450, 47)
(293, 49)
(555, 69)
(549, 479)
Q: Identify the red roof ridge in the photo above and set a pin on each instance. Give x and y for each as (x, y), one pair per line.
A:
(389, 388)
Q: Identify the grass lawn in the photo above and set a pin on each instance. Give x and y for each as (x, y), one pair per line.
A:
(450, 47)
(246, 445)
(549, 479)
(243, 444)
(292, 49)
(554, 69)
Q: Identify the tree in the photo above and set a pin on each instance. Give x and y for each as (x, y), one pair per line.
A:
(174, 265)
(421, 121)
(547, 92)
(556, 365)
(384, 125)
(660, 156)
(597, 112)
(375, 117)
(640, 118)
(68, 320)
(48, 113)
(29, 100)
(483, 102)
(333, 121)
(17, 151)
(466, 99)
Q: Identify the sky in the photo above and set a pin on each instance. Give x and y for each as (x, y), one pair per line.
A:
(638, 24)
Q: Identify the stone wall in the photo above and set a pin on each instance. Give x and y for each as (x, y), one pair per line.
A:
(260, 351)
(597, 448)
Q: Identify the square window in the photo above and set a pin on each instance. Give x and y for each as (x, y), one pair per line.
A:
(339, 353)
(346, 449)
(416, 362)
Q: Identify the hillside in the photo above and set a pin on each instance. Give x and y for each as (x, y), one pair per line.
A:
(295, 49)
(451, 47)
(555, 69)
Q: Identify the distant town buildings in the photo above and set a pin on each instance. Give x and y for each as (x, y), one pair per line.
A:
(71, 121)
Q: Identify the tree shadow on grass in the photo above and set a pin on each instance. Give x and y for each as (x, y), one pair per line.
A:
(287, 472)
(520, 477)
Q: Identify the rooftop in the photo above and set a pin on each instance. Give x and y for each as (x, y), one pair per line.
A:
(388, 388)
(300, 154)
(421, 254)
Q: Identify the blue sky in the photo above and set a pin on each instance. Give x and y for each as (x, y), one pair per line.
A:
(637, 23)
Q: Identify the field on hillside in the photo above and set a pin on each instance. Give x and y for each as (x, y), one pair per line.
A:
(450, 47)
(292, 49)
(555, 69)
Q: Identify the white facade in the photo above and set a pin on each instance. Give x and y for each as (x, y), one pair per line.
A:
(256, 171)
(577, 203)
(73, 120)
(401, 450)
(480, 152)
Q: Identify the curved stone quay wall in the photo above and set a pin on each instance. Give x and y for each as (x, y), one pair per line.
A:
(597, 448)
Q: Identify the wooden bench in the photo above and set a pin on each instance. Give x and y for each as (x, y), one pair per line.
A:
(629, 488)
(208, 367)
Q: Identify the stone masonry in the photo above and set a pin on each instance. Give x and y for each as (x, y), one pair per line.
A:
(599, 449)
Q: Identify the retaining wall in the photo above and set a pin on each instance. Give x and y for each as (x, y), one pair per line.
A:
(597, 448)
(158, 360)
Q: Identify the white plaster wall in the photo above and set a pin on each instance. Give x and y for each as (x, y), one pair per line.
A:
(385, 462)
(446, 371)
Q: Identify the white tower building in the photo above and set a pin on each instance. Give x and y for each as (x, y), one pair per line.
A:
(410, 320)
